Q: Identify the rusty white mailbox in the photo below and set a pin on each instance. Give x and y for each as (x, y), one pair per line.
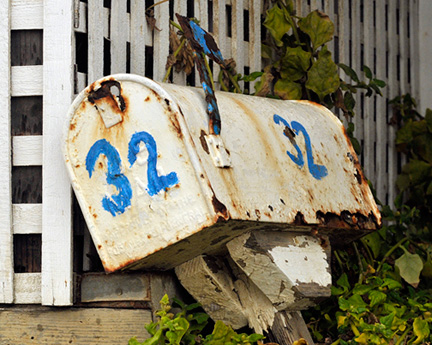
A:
(157, 190)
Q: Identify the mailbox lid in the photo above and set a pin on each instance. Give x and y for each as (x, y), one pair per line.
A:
(290, 162)
(134, 170)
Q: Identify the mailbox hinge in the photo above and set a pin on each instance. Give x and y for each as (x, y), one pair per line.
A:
(218, 152)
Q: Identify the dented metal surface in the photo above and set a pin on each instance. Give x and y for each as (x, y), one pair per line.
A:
(151, 180)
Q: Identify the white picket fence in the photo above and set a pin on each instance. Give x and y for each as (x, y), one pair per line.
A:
(382, 34)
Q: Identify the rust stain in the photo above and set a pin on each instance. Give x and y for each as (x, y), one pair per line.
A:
(147, 99)
(149, 236)
(99, 246)
(95, 215)
(72, 126)
(219, 208)
(204, 142)
(117, 102)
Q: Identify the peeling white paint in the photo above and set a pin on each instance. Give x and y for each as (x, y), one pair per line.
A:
(303, 263)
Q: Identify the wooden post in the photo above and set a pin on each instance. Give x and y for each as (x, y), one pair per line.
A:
(56, 207)
(6, 237)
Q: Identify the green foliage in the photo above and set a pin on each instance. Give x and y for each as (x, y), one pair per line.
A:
(383, 293)
(186, 328)
(299, 65)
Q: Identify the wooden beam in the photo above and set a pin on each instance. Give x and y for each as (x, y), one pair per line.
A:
(78, 326)
(297, 264)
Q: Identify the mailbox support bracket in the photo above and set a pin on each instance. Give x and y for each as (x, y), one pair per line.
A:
(218, 152)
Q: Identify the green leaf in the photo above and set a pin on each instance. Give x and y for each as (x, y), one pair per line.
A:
(373, 241)
(361, 289)
(133, 341)
(428, 119)
(252, 76)
(410, 266)
(376, 297)
(418, 170)
(404, 134)
(391, 284)
(343, 282)
(323, 78)
(421, 330)
(387, 320)
(277, 24)
(349, 101)
(295, 63)
(379, 82)
(177, 329)
(287, 89)
(349, 72)
(354, 304)
(367, 71)
(318, 27)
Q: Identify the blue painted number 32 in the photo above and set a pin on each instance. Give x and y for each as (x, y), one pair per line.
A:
(118, 203)
(316, 170)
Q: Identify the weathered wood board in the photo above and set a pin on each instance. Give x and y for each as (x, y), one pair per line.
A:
(77, 326)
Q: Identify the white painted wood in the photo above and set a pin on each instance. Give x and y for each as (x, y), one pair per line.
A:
(26, 80)
(368, 122)
(329, 10)
(219, 33)
(81, 19)
(27, 218)
(139, 32)
(344, 36)
(237, 41)
(414, 48)
(56, 194)
(201, 12)
(6, 239)
(392, 91)
(26, 14)
(254, 38)
(96, 19)
(118, 35)
(213, 288)
(180, 7)
(81, 82)
(161, 41)
(27, 288)
(381, 184)
(356, 64)
(27, 150)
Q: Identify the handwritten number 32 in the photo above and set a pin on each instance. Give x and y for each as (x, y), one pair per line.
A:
(316, 170)
(118, 203)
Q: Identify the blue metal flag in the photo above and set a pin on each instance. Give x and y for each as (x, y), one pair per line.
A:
(203, 44)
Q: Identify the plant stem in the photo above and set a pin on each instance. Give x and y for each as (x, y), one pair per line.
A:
(338, 259)
(366, 247)
(402, 337)
(182, 43)
(223, 86)
(390, 252)
(336, 342)
(236, 85)
(359, 262)
(158, 3)
(208, 70)
(173, 23)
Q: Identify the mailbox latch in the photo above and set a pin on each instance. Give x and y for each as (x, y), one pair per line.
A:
(218, 152)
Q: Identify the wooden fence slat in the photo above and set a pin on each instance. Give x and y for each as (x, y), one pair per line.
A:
(26, 80)
(139, 32)
(6, 238)
(118, 36)
(329, 10)
(237, 40)
(27, 150)
(254, 38)
(26, 14)
(219, 33)
(368, 121)
(392, 91)
(27, 288)
(414, 48)
(381, 185)
(161, 41)
(80, 24)
(425, 55)
(180, 7)
(201, 12)
(27, 218)
(95, 40)
(56, 208)
(356, 31)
